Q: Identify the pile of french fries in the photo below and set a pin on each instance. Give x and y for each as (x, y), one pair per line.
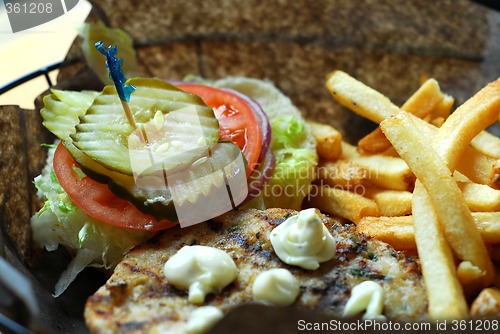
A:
(427, 179)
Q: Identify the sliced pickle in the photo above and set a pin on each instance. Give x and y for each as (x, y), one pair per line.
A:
(211, 185)
(62, 110)
(170, 166)
(169, 122)
(124, 186)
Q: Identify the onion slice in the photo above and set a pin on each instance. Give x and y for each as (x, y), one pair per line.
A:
(262, 119)
(259, 177)
(260, 114)
(266, 162)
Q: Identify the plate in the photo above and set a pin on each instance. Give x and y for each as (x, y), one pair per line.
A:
(295, 44)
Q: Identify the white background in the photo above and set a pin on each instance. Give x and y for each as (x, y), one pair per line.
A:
(29, 50)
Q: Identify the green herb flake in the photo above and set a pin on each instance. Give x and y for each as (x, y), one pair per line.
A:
(233, 228)
(364, 274)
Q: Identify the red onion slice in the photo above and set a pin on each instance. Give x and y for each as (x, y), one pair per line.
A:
(262, 120)
(266, 162)
(259, 177)
(260, 115)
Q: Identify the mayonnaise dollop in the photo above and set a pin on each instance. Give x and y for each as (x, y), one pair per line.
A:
(277, 287)
(367, 296)
(303, 240)
(202, 319)
(200, 269)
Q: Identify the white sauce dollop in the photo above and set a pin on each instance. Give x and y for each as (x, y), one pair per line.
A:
(367, 296)
(202, 319)
(200, 269)
(277, 287)
(303, 240)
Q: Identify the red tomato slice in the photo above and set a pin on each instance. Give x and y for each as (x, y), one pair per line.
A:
(98, 201)
(237, 122)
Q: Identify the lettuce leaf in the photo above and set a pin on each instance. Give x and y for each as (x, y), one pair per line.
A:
(292, 143)
(61, 222)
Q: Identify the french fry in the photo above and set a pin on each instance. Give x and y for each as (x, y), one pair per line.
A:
(388, 172)
(487, 303)
(398, 230)
(349, 176)
(475, 166)
(439, 145)
(361, 99)
(451, 141)
(446, 198)
(443, 108)
(349, 151)
(373, 105)
(328, 140)
(437, 122)
(391, 203)
(342, 173)
(371, 170)
(341, 203)
(376, 107)
(480, 197)
(494, 175)
(488, 224)
(444, 292)
(487, 144)
(425, 100)
(374, 142)
(422, 103)
(466, 122)
(391, 152)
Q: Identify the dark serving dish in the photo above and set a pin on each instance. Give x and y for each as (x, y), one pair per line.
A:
(390, 45)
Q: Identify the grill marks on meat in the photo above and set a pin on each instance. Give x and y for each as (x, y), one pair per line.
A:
(137, 297)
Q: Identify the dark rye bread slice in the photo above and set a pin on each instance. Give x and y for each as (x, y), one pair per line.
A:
(21, 159)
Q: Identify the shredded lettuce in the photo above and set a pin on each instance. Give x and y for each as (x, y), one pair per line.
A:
(292, 143)
(295, 164)
(61, 222)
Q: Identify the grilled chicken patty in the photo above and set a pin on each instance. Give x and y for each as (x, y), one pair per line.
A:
(138, 298)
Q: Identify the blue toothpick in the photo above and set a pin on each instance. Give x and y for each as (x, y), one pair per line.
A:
(116, 74)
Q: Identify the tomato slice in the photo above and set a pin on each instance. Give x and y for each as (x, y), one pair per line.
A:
(98, 201)
(237, 122)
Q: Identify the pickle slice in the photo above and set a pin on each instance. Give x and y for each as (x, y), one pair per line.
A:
(169, 122)
(62, 110)
(212, 184)
(171, 163)
(60, 114)
(213, 174)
